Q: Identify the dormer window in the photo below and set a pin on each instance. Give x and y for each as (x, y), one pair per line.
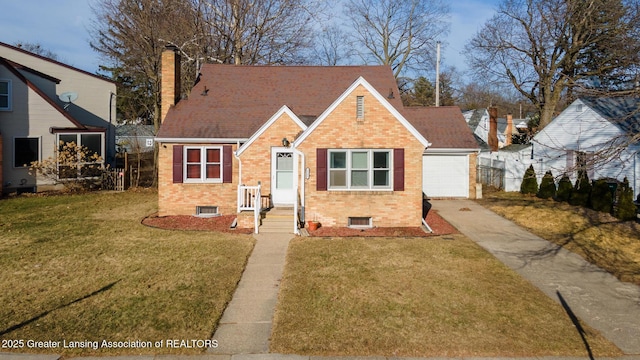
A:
(360, 108)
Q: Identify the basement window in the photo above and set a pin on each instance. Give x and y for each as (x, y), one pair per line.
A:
(360, 222)
(207, 211)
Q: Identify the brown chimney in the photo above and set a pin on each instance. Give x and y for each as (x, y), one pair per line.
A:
(170, 80)
(492, 139)
(509, 130)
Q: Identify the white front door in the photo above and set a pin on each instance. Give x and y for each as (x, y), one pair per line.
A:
(282, 192)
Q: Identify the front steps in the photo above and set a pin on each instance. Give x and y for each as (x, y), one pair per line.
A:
(278, 220)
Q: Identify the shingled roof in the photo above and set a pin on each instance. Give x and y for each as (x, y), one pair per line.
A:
(443, 126)
(233, 101)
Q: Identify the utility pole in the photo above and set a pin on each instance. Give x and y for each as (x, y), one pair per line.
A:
(438, 73)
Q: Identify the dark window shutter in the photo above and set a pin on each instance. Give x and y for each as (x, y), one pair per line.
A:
(398, 169)
(321, 169)
(177, 163)
(227, 164)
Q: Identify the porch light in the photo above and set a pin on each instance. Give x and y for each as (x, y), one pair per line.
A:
(285, 142)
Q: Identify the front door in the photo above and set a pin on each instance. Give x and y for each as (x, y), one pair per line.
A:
(282, 192)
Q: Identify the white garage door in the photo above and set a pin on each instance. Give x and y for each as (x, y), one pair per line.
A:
(445, 175)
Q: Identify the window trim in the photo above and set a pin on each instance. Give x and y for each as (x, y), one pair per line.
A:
(8, 95)
(352, 226)
(78, 142)
(370, 170)
(203, 165)
(39, 149)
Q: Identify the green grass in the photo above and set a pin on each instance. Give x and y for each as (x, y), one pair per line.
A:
(599, 238)
(443, 296)
(82, 267)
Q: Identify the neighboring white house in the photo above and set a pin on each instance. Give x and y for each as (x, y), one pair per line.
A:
(601, 136)
(44, 102)
(479, 122)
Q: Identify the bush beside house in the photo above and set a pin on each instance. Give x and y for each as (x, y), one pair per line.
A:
(565, 188)
(581, 190)
(626, 209)
(601, 197)
(547, 187)
(529, 184)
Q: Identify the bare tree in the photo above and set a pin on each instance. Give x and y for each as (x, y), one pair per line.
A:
(332, 46)
(36, 48)
(261, 31)
(547, 49)
(130, 36)
(402, 34)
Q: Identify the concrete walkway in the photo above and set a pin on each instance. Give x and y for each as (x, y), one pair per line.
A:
(596, 297)
(245, 326)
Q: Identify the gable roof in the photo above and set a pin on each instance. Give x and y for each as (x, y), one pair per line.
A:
(234, 101)
(263, 128)
(15, 48)
(394, 111)
(76, 124)
(621, 111)
(443, 126)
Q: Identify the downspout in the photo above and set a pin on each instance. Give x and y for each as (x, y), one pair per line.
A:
(297, 179)
(235, 154)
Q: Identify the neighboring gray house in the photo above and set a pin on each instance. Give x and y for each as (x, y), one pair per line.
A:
(600, 136)
(44, 102)
(133, 138)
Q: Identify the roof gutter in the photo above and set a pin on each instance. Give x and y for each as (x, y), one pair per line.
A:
(450, 151)
(201, 140)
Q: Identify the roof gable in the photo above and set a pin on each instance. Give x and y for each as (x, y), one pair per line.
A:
(273, 119)
(623, 112)
(362, 82)
(32, 86)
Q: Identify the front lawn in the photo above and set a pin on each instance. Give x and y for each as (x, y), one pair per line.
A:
(601, 239)
(428, 297)
(81, 268)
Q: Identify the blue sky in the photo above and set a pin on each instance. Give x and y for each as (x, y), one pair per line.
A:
(61, 27)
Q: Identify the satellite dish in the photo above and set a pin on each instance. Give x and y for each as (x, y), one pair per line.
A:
(68, 97)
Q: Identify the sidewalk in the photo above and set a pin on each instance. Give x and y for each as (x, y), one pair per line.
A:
(596, 297)
(245, 326)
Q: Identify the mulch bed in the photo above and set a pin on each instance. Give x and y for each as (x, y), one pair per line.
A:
(437, 224)
(223, 223)
(188, 222)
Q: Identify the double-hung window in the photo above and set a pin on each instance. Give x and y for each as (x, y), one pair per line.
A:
(5, 95)
(360, 169)
(203, 164)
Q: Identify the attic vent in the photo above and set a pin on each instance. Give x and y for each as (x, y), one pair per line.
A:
(579, 108)
(207, 211)
(360, 107)
(360, 222)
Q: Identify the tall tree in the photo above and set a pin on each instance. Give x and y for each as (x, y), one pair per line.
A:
(130, 35)
(546, 49)
(402, 34)
(261, 31)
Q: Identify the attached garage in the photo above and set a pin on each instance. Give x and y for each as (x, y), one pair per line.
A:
(445, 175)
